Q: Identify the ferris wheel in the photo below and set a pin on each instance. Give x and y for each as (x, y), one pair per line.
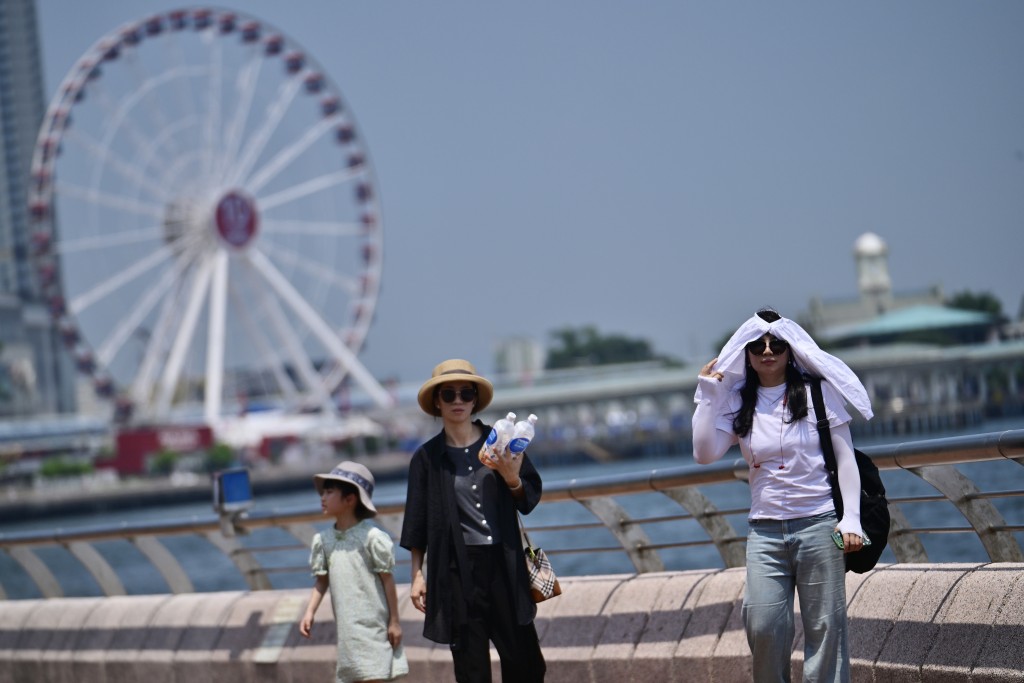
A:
(206, 220)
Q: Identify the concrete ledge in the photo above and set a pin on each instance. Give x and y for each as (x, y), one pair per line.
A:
(935, 622)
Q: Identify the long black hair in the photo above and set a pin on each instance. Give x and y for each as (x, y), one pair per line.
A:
(796, 391)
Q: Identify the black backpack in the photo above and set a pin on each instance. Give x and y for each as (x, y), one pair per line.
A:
(874, 508)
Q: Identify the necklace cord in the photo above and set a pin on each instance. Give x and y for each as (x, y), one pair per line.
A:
(782, 426)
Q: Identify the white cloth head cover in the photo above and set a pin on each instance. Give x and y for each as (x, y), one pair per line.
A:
(808, 356)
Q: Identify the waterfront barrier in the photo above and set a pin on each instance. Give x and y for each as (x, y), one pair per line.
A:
(941, 623)
(263, 547)
(912, 619)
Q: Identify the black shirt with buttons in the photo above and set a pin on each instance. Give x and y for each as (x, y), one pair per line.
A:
(475, 495)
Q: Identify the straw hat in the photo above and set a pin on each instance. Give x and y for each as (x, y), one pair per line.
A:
(355, 474)
(455, 370)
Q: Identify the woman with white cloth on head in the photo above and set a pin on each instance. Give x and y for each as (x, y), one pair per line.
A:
(754, 394)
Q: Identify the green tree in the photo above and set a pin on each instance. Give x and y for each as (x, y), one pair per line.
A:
(218, 457)
(62, 466)
(585, 346)
(164, 462)
(985, 302)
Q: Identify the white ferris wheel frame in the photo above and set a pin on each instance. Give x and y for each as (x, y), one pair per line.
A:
(197, 270)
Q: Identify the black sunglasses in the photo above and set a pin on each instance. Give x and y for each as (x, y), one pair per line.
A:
(467, 394)
(778, 346)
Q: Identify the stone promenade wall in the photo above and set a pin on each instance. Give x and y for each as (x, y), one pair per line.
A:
(935, 623)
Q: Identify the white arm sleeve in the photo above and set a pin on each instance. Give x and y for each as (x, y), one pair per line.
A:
(709, 442)
(849, 480)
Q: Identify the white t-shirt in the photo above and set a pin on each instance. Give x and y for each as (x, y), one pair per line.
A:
(787, 470)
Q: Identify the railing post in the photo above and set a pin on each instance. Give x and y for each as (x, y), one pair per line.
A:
(717, 527)
(982, 514)
(632, 538)
(37, 571)
(251, 570)
(165, 563)
(106, 577)
(905, 544)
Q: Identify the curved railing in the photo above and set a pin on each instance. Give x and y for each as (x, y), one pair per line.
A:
(259, 555)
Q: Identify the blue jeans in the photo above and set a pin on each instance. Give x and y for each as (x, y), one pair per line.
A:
(783, 555)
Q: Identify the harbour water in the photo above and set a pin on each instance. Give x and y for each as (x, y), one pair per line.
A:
(210, 570)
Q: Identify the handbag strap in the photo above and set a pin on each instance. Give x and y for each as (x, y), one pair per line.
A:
(523, 536)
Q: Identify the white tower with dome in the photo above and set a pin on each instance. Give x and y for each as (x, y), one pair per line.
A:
(872, 258)
(875, 295)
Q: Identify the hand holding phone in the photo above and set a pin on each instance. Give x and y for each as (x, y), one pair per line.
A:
(838, 538)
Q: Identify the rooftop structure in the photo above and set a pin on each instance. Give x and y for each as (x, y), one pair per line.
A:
(936, 323)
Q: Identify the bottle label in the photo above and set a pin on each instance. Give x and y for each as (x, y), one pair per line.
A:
(518, 445)
(492, 437)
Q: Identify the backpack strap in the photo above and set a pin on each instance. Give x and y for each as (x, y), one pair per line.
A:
(824, 432)
(827, 450)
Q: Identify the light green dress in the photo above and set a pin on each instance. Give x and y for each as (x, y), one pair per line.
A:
(352, 559)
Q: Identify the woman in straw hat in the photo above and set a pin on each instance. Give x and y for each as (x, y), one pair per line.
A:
(463, 510)
(754, 394)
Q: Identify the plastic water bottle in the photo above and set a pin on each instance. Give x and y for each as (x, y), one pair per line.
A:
(501, 434)
(522, 435)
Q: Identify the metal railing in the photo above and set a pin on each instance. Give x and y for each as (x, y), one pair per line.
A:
(683, 509)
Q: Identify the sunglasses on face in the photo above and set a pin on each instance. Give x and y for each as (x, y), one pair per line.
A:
(778, 346)
(467, 394)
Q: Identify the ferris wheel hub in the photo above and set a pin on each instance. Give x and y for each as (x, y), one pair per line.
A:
(236, 219)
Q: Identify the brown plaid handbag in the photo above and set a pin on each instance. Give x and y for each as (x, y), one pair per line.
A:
(543, 581)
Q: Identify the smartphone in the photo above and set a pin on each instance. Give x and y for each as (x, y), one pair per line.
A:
(838, 538)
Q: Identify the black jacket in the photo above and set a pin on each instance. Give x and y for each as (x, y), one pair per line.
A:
(432, 524)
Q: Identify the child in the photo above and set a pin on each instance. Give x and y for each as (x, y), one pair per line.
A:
(356, 560)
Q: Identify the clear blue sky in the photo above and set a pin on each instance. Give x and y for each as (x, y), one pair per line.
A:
(658, 169)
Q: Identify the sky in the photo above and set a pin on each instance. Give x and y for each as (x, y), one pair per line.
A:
(657, 169)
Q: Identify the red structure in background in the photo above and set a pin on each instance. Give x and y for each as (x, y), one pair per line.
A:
(135, 447)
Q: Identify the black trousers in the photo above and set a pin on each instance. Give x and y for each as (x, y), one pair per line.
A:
(492, 619)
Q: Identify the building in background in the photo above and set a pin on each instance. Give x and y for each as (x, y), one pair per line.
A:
(519, 360)
(36, 375)
(880, 317)
(876, 298)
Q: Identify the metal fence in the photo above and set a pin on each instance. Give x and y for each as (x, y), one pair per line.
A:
(963, 486)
